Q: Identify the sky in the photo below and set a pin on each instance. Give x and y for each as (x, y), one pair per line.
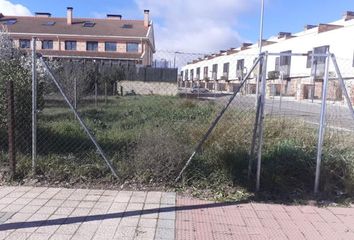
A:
(198, 26)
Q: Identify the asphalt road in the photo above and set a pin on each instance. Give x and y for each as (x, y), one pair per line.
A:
(338, 116)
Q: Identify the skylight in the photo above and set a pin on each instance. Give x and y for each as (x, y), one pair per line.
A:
(9, 21)
(50, 23)
(127, 26)
(89, 24)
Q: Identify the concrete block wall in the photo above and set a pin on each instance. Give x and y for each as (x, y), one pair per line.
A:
(148, 88)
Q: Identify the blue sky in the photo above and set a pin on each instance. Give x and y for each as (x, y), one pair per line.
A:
(203, 25)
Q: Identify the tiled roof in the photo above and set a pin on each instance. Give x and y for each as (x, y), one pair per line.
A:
(102, 27)
(97, 55)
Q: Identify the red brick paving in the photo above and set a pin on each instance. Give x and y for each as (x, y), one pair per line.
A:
(202, 220)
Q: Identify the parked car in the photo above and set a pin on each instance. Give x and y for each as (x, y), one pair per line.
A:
(199, 89)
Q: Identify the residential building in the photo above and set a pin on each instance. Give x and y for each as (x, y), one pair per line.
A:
(301, 77)
(113, 38)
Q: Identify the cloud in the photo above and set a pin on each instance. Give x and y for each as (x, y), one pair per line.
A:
(8, 8)
(198, 25)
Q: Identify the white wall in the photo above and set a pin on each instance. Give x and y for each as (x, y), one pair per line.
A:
(341, 42)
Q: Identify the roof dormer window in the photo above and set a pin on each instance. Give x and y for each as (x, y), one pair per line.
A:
(89, 24)
(9, 21)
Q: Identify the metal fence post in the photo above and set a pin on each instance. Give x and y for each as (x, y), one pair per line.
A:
(261, 119)
(254, 136)
(96, 94)
(322, 126)
(34, 107)
(75, 93)
(11, 127)
(105, 91)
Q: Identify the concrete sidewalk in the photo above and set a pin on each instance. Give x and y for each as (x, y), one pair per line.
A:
(56, 213)
(208, 220)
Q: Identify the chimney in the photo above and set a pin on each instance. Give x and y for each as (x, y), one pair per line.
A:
(348, 15)
(69, 15)
(308, 26)
(43, 14)
(284, 34)
(146, 18)
(245, 45)
(327, 27)
(114, 17)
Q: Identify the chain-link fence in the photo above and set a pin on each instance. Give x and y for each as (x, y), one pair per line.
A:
(189, 116)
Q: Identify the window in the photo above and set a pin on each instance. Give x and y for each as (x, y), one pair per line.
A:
(132, 47)
(277, 61)
(318, 70)
(25, 43)
(206, 70)
(226, 70)
(240, 64)
(215, 71)
(182, 75)
(110, 46)
(50, 23)
(92, 46)
(285, 60)
(198, 74)
(285, 63)
(192, 74)
(186, 75)
(127, 26)
(9, 21)
(239, 68)
(309, 59)
(70, 45)
(89, 24)
(47, 44)
(320, 50)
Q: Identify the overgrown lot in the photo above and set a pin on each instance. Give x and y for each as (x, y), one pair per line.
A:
(149, 138)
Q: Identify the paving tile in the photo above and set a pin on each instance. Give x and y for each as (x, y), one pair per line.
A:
(153, 197)
(19, 217)
(106, 231)
(125, 233)
(148, 223)
(86, 204)
(18, 236)
(64, 210)
(38, 202)
(46, 210)
(47, 229)
(144, 233)
(164, 223)
(164, 233)
(67, 229)
(129, 221)
(60, 237)
(40, 236)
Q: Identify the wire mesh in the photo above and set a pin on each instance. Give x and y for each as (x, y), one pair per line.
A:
(149, 120)
(291, 123)
(338, 151)
(14, 69)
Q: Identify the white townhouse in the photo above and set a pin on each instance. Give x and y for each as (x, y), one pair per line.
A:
(298, 76)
